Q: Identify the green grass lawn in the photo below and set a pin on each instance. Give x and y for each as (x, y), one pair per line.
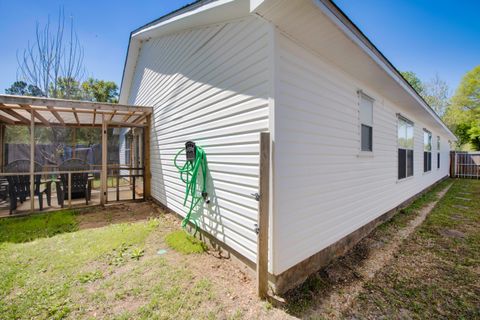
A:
(48, 270)
(24, 229)
(51, 268)
(436, 274)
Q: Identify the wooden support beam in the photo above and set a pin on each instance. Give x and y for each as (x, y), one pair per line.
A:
(32, 162)
(18, 116)
(68, 110)
(76, 116)
(94, 117)
(112, 115)
(125, 124)
(36, 114)
(147, 176)
(140, 118)
(263, 214)
(103, 182)
(6, 120)
(2, 147)
(69, 104)
(128, 116)
(55, 124)
(56, 115)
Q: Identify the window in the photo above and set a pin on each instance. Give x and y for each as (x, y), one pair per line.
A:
(427, 150)
(438, 152)
(366, 122)
(405, 148)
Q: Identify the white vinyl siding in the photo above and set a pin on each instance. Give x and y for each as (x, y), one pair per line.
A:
(323, 189)
(209, 85)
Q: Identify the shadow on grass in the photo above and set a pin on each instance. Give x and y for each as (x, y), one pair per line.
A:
(26, 229)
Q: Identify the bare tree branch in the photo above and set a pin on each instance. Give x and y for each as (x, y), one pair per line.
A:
(52, 59)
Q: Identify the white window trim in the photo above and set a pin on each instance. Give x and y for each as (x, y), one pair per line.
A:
(364, 153)
(401, 116)
(439, 147)
(425, 130)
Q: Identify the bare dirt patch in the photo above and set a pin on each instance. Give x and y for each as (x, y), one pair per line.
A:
(97, 217)
(141, 287)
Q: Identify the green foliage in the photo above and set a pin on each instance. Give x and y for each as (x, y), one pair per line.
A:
(25, 229)
(463, 115)
(88, 277)
(21, 88)
(17, 134)
(184, 243)
(137, 253)
(88, 136)
(414, 81)
(435, 92)
(70, 88)
(100, 91)
(66, 88)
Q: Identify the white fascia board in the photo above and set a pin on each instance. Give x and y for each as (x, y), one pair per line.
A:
(130, 63)
(210, 12)
(150, 31)
(392, 73)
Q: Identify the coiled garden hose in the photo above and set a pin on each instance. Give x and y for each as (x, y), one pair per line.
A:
(189, 174)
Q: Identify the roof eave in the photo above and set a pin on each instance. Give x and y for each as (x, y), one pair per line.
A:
(332, 11)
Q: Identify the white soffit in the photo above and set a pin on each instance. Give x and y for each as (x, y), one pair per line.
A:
(314, 25)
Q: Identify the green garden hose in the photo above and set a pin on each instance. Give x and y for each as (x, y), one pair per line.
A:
(188, 174)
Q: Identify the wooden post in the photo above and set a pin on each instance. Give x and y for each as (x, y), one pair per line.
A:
(2, 147)
(118, 185)
(452, 164)
(146, 160)
(32, 161)
(69, 189)
(103, 176)
(74, 151)
(263, 213)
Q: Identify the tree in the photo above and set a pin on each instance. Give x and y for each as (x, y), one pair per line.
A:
(435, 92)
(53, 56)
(67, 88)
(21, 88)
(413, 80)
(463, 115)
(100, 91)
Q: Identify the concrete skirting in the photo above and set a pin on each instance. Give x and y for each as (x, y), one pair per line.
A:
(297, 274)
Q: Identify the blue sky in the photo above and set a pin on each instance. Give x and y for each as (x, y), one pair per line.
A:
(423, 36)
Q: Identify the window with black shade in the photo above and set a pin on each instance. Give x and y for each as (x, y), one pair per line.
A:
(427, 151)
(366, 122)
(405, 148)
(438, 152)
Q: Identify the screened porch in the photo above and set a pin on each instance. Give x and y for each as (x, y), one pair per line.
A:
(63, 154)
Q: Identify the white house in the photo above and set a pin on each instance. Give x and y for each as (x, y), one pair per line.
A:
(350, 139)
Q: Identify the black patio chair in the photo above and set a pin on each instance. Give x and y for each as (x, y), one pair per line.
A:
(3, 188)
(81, 185)
(19, 185)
